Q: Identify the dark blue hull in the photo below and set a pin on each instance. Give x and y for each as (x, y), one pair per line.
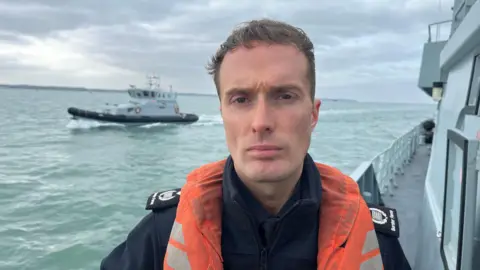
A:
(132, 119)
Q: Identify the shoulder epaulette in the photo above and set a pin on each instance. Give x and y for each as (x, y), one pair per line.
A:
(163, 200)
(385, 220)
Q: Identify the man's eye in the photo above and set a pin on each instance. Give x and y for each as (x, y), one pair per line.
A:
(286, 96)
(240, 100)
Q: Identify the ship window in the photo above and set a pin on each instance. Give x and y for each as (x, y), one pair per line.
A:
(474, 91)
(459, 202)
(152, 94)
(452, 206)
(139, 94)
(145, 93)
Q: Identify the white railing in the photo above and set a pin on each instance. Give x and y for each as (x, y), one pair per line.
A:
(378, 175)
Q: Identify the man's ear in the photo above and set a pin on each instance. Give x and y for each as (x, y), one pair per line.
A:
(315, 112)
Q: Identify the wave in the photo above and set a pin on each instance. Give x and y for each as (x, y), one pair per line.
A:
(84, 124)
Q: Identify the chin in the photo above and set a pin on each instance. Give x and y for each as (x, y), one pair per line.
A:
(268, 170)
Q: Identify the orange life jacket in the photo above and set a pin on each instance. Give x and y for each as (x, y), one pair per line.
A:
(346, 238)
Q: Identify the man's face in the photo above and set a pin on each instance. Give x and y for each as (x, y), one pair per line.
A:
(267, 111)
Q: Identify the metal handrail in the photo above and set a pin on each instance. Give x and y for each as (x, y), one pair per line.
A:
(437, 27)
(381, 170)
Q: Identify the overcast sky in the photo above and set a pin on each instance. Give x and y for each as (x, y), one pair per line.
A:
(365, 49)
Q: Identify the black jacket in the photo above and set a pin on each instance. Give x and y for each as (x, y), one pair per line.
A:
(251, 238)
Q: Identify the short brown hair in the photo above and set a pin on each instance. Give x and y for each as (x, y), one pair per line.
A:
(265, 31)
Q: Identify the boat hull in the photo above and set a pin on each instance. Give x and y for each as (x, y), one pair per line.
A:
(134, 119)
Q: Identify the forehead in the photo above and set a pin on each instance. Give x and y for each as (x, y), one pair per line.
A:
(268, 65)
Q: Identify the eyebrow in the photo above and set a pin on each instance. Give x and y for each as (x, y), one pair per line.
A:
(286, 87)
(237, 91)
(247, 90)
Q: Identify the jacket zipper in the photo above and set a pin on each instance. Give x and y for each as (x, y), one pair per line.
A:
(263, 251)
(280, 223)
(263, 259)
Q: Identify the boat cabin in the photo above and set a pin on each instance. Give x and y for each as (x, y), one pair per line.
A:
(150, 94)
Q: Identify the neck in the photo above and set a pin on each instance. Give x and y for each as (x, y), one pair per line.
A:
(273, 195)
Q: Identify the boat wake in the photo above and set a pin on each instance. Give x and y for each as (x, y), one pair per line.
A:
(83, 124)
(90, 124)
(209, 120)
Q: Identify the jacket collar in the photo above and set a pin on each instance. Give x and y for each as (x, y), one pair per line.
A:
(309, 187)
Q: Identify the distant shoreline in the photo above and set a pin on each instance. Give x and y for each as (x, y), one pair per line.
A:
(80, 89)
(84, 89)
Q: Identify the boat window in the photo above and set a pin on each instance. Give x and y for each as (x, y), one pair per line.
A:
(458, 218)
(474, 90)
(139, 94)
(146, 94)
(152, 94)
(452, 205)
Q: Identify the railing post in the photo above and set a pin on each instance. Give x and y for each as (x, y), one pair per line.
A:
(377, 177)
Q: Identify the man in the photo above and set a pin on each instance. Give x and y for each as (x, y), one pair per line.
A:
(268, 205)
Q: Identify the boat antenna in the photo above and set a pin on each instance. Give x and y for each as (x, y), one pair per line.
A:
(150, 81)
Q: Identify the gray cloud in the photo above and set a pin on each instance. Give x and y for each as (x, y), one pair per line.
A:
(365, 49)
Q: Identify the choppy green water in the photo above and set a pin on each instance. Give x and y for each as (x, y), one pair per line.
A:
(71, 191)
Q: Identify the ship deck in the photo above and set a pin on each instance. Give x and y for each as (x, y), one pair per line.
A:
(407, 199)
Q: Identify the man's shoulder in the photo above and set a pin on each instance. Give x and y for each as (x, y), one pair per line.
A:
(163, 210)
(326, 168)
(329, 172)
(385, 220)
(212, 165)
(147, 241)
(212, 170)
(163, 200)
(333, 179)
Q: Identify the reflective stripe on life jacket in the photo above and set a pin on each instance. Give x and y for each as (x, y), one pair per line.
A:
(346, 238)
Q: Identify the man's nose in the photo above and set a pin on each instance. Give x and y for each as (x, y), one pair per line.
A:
(262, 117)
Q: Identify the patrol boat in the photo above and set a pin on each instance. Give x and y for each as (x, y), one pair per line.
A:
(147, 106)
(433, 184)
